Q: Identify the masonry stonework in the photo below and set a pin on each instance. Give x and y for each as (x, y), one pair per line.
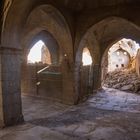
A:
(67, 26)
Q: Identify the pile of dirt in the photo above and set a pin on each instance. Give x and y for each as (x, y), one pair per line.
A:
(125, 80)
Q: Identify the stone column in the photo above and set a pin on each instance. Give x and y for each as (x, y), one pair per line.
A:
(77, 83)
(96, 76)
(68, 94)
(10, 91)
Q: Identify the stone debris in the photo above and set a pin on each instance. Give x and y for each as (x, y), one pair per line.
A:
(125, 80)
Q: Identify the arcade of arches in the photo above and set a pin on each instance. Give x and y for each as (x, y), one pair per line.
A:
(70, 69)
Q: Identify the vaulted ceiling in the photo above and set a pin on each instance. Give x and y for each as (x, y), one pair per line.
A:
(91, 4)
(79, 14)
(78, 5)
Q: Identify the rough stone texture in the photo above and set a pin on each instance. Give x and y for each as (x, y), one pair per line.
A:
(10, 87)
(45, 83)
(34, 108)
(122, 55)
(138, 63)
(74, 25)
(110, 114)
(127, 87)
(45, 55)
(112, 99)
(126, 80)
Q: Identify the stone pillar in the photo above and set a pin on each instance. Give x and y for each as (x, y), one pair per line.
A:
(96, 76)
(77, 83)
(10, 92)
(68, 94)
(104, 67)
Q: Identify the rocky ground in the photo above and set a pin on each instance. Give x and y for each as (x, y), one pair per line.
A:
(125, 80)
(108, 115)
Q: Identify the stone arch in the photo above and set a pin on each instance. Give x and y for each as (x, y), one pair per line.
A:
(30, 24)
(16, 35)
(51, 21)
(89, 41)
(105, 33)
(50, 43)
(114, 29)
(104, 59)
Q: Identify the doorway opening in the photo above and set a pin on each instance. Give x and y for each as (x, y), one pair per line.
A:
(41, 72)
(39, 53)
(120, 70)
(120, 78)
(38, 59)
(84, 74)
(41, 79)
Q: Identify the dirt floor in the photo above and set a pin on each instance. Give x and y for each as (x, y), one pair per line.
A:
(109, 114)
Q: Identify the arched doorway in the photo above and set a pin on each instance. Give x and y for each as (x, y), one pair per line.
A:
(83, 74)
(86, 72)
(112, 32)
(118, 29)
(30, 25)
(90, 45)
(41, 68)
(120, 68)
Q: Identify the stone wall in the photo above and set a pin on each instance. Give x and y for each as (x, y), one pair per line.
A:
(45, 55)
(46, 83)
(74, 25)
(86, 81)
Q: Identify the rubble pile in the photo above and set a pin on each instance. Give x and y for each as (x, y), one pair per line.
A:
(125, 80)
